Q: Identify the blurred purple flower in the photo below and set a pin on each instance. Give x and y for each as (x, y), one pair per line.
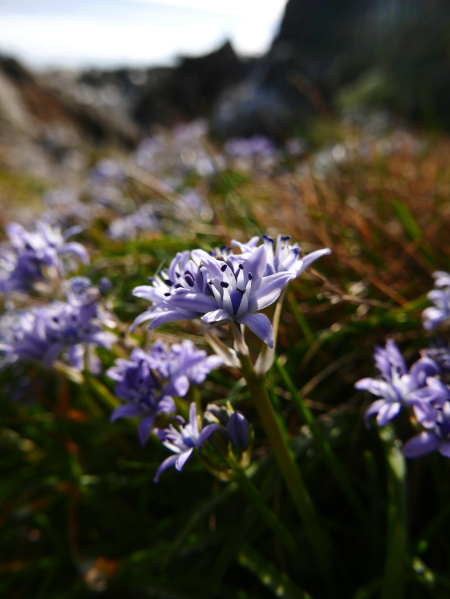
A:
(42, 334)
(148, 381)
(428, 441)
(435, 315)
(30, 251)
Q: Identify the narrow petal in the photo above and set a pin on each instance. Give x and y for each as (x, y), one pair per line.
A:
(388, 412)
(144, 428)
(215, 316)
(374, 408)
(76, 356)
(168, 462)
(260, 325)
(125, 411)
(182, 459)
(309, 259)
(421, 445)
(444, 449)
(79, 250)
(181, 385)
(269, 290)
(197, 302)
(169, 316)
(256, 263)
(148, 315)
(206, 433)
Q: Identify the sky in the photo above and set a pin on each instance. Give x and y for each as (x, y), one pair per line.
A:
(111, 33)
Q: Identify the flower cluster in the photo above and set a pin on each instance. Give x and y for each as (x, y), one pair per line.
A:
(148, 381)
(183, 438)
(440, 296)
(420, 389)
(75, 327)
(223, 287)
(28, 253)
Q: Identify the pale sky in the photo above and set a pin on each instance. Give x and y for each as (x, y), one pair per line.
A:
(108, 33)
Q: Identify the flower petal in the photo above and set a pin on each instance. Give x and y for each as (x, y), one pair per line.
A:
(420, 445)
(144, 428)
(168, 462)
(196, 302)
(215, 316)
(125, 411)
(260, 325)
(182, 459)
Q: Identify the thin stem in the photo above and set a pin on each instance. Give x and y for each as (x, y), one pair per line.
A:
(324, 446)
(259, 504)
(394, 569)
(286, 460)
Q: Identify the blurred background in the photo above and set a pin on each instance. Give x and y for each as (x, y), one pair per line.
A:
(109, 72)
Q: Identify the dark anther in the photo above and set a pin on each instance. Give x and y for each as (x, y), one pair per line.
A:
(250, 276)
(267, 238)
(178, 286)
(240, 290)
(210, 282)
(151, 280)
(167, 294)
(168, 282)
(223, 248)
(223, 267)
(285, 238)
(241, 266)
(224, 285)
(189, 280)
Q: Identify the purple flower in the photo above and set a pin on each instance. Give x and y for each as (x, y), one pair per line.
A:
(431, 440)
(435, 315)
(42, 334)
(397, 386)
(221, 286)
(140, 388)
(30, 252)
(148, 381)
(182, 441)
(228, 290)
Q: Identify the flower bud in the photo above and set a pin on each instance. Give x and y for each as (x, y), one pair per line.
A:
(238, 430)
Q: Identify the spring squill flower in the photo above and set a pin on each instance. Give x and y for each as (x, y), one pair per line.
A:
(229, 290)
(183, 440)
(44, 333)
(440, 296)
(397, 386)
(30, 252)
(437, 439)
(148, 381)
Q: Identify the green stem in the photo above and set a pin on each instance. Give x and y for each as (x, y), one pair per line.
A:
(394, 569)
(291, 473)
(257, 501)
(324, 446)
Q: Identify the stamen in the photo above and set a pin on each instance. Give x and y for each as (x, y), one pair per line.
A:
(189, 280)
(223, 267)
(241, 291)
(250, 276)
(167, 294)
(224, 285)
(267, 238)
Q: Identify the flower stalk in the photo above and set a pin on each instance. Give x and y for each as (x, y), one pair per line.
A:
(394, 570)
(289, 468)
